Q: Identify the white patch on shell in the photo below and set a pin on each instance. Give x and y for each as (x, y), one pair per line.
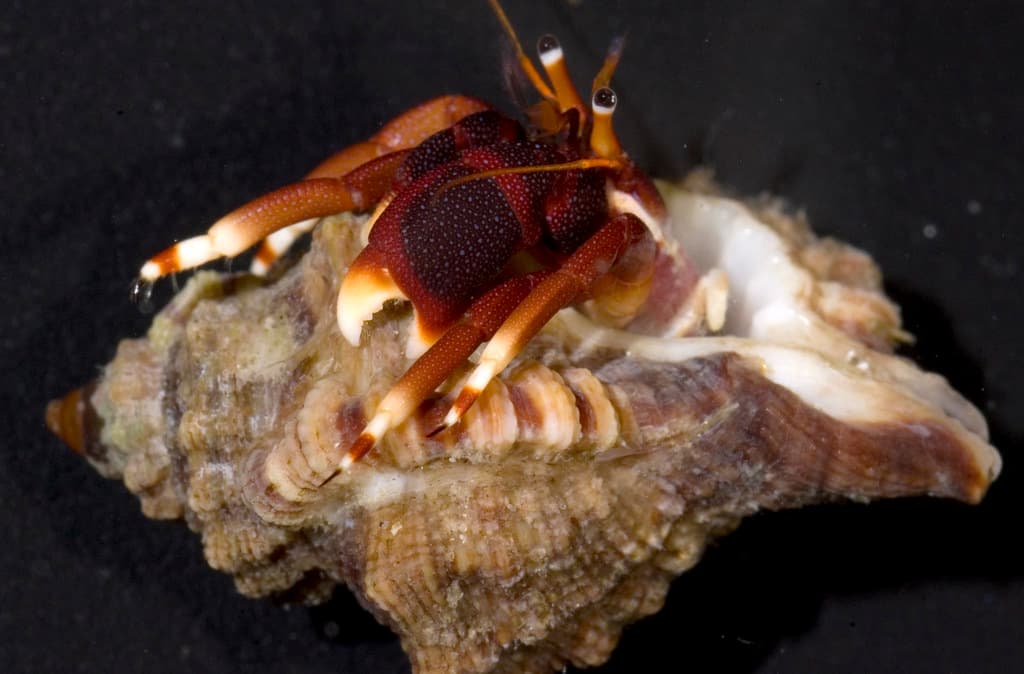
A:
(382, 486)
(225, 471)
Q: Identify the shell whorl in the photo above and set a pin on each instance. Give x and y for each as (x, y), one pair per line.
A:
(531, 413)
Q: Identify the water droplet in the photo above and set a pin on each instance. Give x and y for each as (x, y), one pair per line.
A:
(141, 294)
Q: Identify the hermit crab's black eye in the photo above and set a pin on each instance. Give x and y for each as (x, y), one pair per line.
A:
(605, 100)
(547, 44)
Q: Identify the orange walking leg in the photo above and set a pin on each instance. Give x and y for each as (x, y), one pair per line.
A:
(402, 133)
(483, 317)
(243, 227)
(624, 239)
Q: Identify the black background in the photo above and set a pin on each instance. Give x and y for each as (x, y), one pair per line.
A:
(896, 125)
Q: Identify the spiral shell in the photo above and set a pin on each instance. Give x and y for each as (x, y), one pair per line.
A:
(587, 476)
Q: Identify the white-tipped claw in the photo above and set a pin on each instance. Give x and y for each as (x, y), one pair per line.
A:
(363, 293)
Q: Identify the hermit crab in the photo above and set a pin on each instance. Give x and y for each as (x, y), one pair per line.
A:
(661, 361)
(465, 199)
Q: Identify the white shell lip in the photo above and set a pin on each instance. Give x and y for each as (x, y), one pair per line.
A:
(770, 320)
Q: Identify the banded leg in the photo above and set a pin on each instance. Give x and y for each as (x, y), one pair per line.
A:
(403, 132)
(245, 226)
(481, 320)
(623, 249)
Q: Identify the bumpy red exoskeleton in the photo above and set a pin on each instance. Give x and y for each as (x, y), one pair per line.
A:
(461, 195)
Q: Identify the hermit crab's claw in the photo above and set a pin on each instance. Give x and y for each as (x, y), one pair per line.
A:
(367, 286)
(484, 316)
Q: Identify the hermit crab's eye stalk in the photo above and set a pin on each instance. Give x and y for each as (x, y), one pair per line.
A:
(603, 141)
(553, 59)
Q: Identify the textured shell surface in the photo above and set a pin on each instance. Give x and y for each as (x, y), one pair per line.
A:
(591, 473)
(599, 466)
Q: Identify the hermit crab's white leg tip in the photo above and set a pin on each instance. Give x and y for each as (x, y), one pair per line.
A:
(196, 251)
(450, 419)
(150, 272)
(482, 375)
(259, 267)
(379, 425)
(278, 243)
(186, 254)
(477, 382)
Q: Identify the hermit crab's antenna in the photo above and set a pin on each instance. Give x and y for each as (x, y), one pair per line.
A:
(579, 164)
(604, 76)
(524, 61)
(562, 92)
